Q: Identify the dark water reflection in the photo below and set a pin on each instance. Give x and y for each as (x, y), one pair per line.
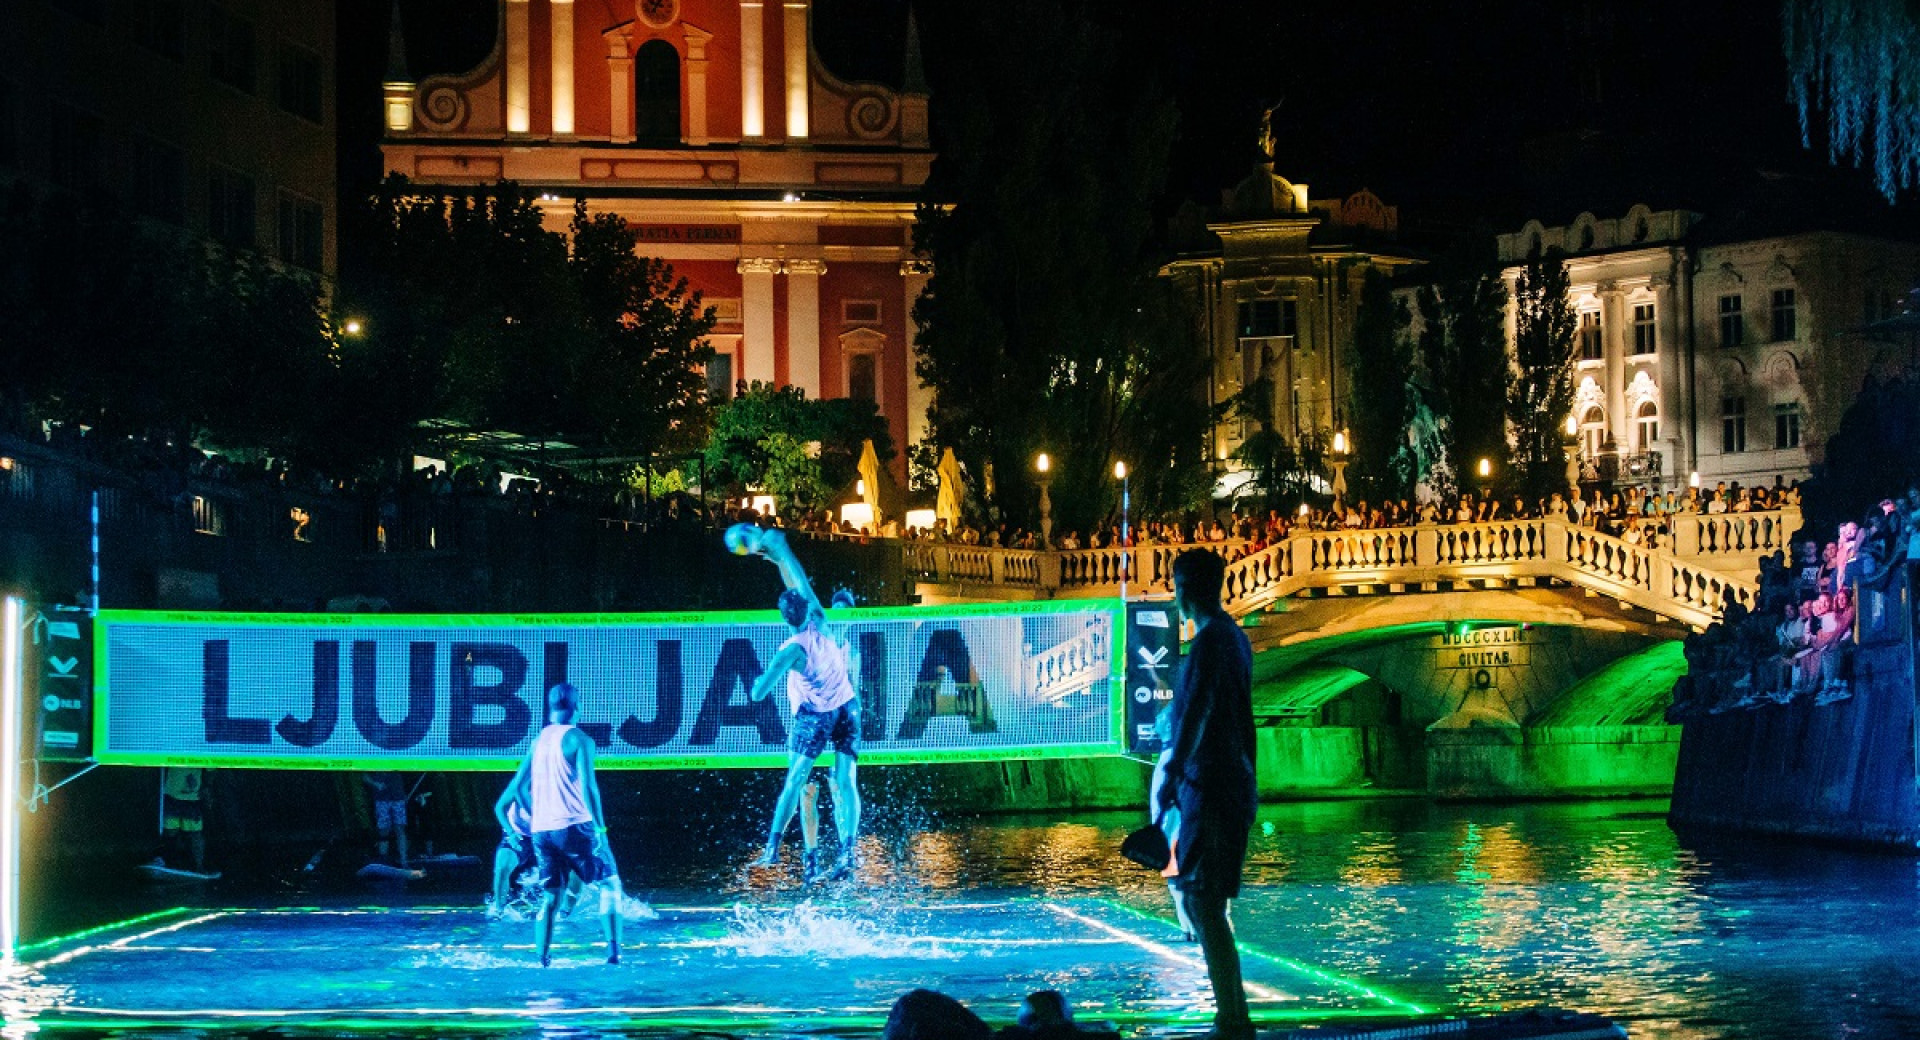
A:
(1595, 906)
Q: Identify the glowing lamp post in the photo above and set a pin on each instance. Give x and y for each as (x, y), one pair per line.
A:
(1043, 474)
(1340, 447)
(1126, 540)
(1485, 471)
(1572, 429)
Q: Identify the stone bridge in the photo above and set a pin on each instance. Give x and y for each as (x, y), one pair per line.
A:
(1530, 657)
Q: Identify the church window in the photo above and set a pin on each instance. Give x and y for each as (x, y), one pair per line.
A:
(1265, 319)
(720, 376)
(656, 94)
(863, 376)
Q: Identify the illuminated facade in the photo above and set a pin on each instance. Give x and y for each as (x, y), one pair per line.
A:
(783, 194)
(215, 117)
(1278, 277)
(1695, 353)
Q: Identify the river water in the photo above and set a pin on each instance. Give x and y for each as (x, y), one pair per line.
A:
(1595, 906)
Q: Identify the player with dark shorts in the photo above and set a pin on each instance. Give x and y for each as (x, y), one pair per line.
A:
(569, 830)
(1210, 778)
(826, 713)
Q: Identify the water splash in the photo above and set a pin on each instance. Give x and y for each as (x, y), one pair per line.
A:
(822, 933)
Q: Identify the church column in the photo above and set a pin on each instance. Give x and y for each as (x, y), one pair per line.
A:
(756, 317)
(1614, 349)
(803, 325)
(519, 96)
(619, 86)
(562, 68)
(913, 278)
(753, 88)
(795, 35)
(697, 84)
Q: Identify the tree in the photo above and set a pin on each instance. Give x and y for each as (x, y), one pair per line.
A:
(478, 313)
(1383, 399)
(134, 328)
(1463, 347)
(803, 452)
(1541, 395)
(1045, 326)
(645, 390)
(1853, 64)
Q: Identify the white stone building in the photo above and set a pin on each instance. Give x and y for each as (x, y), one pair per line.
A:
(1730, 358)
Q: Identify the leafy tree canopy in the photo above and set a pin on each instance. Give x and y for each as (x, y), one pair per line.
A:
(1045, 326)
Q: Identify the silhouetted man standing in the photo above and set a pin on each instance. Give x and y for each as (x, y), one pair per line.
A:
(1210, 778)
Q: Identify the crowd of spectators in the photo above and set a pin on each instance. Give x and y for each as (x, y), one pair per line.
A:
(1635, 515)
(422, 509)
(1797, 640)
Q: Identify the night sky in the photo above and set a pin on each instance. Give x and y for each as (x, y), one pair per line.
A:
(1480, 113)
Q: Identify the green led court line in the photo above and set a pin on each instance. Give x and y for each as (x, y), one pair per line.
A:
(97, 929)
(1298, 967)
(1113, 745)
(442, 1018)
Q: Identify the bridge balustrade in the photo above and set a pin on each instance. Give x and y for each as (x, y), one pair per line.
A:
(1689, 582)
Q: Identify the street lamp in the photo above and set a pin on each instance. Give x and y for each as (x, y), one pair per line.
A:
(353, 327)
(1126, 502)
(1572, 429)
(1485, 469)
(1043, 466)
(1340, 446)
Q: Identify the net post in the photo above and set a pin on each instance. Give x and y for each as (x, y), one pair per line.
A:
(12, 620)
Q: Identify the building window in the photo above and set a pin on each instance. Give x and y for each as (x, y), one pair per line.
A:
(299, 82)
(230, 49)
(720, 376)
(1592, 346)
(230, 208)
(1733, 425)
(1786, 426)
(1265, 319)
(656, 93)
(302, 229)
(1783, 315)
(1733, 325)
(863, 376)
(160, 26)
(159, 181)
(1593, 432)
(1646, 426)
(1645, 339)
(860, 312)
(75, 140)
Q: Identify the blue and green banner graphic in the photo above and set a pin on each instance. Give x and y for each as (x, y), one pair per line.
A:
(316, 691)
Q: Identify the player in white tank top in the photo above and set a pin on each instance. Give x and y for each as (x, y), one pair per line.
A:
(568, 824)
(814, 667)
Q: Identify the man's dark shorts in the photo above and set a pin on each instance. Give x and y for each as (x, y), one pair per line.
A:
(1210, 858)
(569, 851)
(815, 731)
(524, 851)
